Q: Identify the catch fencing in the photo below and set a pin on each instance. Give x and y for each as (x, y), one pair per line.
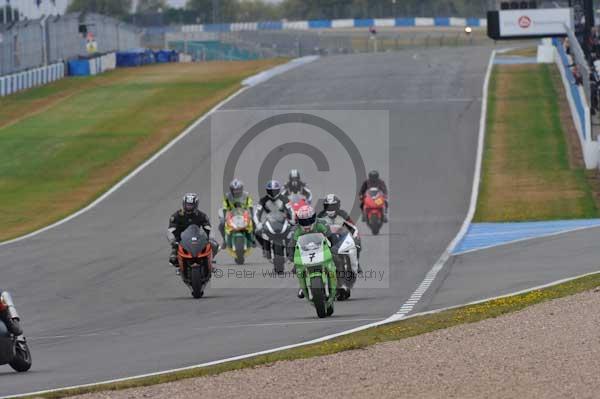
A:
(337, 24)
(33, 43)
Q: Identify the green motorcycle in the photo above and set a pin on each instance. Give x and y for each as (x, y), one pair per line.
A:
(316, 272)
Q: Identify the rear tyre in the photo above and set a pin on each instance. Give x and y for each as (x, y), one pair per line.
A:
(343, 294)
(198, 282)
(375, 224)
(239, 245)
(318, 294)
(22, 360)
(279, 264)
(330, 310)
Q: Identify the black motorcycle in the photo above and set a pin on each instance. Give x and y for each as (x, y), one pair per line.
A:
(277, 230)
(195, 254)
(14, 350)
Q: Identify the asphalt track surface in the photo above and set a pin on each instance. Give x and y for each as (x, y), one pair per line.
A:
(514, 267)
(99, 301)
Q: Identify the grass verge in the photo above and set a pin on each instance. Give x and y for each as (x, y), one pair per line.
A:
(63, 144)
(390, 332)
(527, 171)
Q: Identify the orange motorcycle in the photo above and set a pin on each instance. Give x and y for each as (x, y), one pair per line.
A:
(195, 254)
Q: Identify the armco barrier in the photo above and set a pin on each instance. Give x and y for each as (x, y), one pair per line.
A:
(336, 24)
(20, 81)
(580, 109)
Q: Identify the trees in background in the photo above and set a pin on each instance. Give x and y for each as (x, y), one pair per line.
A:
(113, 8)
(150, 6)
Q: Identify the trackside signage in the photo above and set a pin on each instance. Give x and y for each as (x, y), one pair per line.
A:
(508, 24)
(549, 22)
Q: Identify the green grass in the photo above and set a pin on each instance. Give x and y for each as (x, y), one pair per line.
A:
(391, 332)
(527, 174)
(63, 144)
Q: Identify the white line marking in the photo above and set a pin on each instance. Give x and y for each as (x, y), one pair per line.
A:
(393, 318)
(439, 265)
(526, 239)
(250, 83)
(129, 176)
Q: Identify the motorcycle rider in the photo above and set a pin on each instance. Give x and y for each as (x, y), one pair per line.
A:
(9, 315)
(188, 214)
(296, 186)
(235, 198)
(273, 201)
(373, 181)
(307, 224)
(332, 214)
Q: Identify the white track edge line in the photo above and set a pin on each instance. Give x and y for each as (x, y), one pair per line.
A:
(130, 175)
(439, 265)
(557, 233)
(326, 338)
(395, 317)
(292, 65)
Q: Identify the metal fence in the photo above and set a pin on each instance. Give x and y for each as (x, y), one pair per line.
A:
(580, 61)
(29, 44)
(297, 44)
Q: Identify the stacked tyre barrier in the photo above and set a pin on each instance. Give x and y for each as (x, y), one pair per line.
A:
(337, 24)
(24, 80)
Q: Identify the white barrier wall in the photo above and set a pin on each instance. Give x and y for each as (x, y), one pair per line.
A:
(20, 81)
(580, 109)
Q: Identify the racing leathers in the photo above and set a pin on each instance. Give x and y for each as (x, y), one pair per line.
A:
(180, 221)
(342, 219)
(319, 227)
(267, 205)
(297, 187)
(230, 203)
(8, 314)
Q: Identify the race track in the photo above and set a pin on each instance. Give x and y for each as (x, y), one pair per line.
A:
(99, 301)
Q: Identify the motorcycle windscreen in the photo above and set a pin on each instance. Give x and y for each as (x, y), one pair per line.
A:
(194, 240)
(239, 218)
(373, 192)
(276, 222)
(311, 249)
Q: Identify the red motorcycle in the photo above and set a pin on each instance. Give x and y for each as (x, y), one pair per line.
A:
(297, 201)
(374, 208)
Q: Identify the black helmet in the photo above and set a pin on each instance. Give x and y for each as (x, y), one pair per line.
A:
(236, 187)
(273, 189)
(373, 175)
(331, 205)
(190, 203)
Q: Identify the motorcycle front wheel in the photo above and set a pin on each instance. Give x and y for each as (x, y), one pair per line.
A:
(22, 360)
(318, 293)
(239, 244)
